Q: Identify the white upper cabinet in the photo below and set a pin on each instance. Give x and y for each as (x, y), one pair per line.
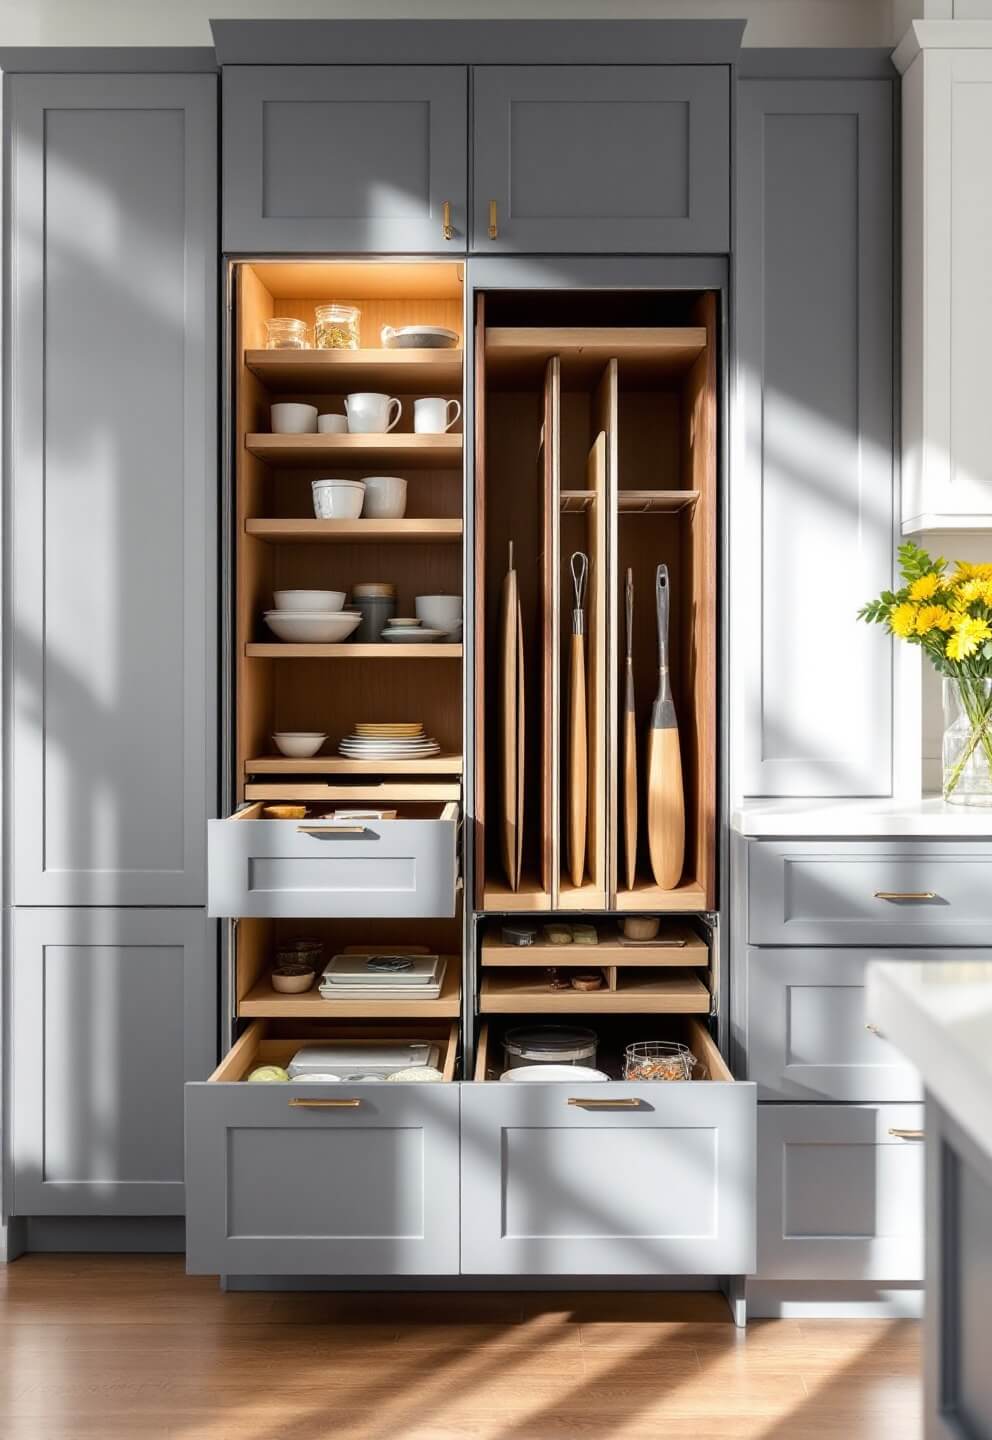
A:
(946, 278)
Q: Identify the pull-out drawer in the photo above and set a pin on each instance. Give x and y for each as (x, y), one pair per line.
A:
(614, 1178)
(315, 1178)
(807, 1032)
(319, 866)
(869, 892)
(841, 1192)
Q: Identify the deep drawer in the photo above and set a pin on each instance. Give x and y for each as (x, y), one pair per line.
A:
(321, 1179)
(840, 1192)
(807, 1035)
(300, 868)
(874, 892)
(612, 1178)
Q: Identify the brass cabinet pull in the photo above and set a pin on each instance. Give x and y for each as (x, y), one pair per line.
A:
(493, 228)
(587, 1103)
(302, 1104)
(905, 894)
(906, 1134)
(330, 829)
(446, 230)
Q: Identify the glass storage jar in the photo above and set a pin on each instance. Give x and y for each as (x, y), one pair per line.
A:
(550, 1045)
(283, 332)
(336, 327)
(658, 1060)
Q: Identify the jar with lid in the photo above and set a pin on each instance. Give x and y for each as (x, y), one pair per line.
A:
(377, 602)
(336, 327)
(550, 1045)
(283, 332)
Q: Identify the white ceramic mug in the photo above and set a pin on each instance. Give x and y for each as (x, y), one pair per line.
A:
(368, 414)
(430, 415)
(332, 424)
(290, 418)
(385, 497)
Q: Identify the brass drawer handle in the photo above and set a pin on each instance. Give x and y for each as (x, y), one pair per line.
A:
(493, 227)
(907, 1134)
(446, 231)
(301, 1104)
(905, 894)
(330, 829)
(589, 1104)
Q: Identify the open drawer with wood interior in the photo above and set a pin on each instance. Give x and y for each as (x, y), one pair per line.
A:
(313, 863)
(596, 462)
(312, 1177)
(610, 1177)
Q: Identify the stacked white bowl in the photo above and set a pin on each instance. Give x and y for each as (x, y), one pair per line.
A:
(311, 617)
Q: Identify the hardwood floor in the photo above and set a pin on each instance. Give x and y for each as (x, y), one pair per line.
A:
(128, 1348)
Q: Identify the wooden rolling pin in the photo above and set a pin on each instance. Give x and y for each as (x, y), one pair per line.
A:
(666, 799)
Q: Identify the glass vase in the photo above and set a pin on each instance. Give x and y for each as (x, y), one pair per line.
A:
(968, 741)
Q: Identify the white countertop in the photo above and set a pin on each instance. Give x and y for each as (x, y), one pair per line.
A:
(939, 1015)
(816, 819)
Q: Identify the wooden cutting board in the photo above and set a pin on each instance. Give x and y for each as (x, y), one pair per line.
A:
(521, 734)
(509, 631)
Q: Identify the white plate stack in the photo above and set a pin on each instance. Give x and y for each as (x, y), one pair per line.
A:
(399, 741)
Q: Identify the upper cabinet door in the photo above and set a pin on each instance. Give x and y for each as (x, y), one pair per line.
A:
(321, 158)
(812, 474)
(112, 437)
(602, 158)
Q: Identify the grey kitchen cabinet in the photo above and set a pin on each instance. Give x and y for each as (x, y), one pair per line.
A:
(618, 1179)
(840, 1192)
(323, 158)
(869, 892)
(112, 1011)
(112, 435)
(601, 158)
(807, 1037)
(813, 496)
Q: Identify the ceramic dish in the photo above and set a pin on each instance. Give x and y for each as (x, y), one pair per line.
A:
(412, 635)
(337, 499)
(298, 744)
(571, 1074)
(418, 337)
(403, 620)
(288, 983)
(310, 629)
(302, 602)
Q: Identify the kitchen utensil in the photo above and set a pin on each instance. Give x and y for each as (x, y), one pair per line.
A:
(512, 818)
(550, 1045)
(377, 604)
(298, 744)
(591, 981)
(332, 424)
(309, 628)
(413, 337)
(433, 415)
(407, 622)
(337, 499)
(658, 1060)
(640, 927)
(440, 612)
(283, 332)
(307, 601)
(666, 801)
(572, 1074)
(413, 635)
(285, 812)
(368, 413)
(292, 979)
(578, 747)
(366, 1058)
(385, 497)
(336, 327)
(368, 728)
(289, 418)
(629, 743)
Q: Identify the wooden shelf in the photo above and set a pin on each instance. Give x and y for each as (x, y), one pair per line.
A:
(281, 650)
(407, 452)
(378, 792)
(522, 351)
(575, 502)
(677, 945)
(655, 502)
(648, 896)
(262, 1000)
(315, 532)
(338, 765)
(498, 896)
(424, 372)
(680, 992)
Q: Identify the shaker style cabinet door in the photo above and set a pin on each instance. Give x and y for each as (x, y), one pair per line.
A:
(601, 158)
(112, 1011)
(112, 435)
(811, 520)
(324, 158)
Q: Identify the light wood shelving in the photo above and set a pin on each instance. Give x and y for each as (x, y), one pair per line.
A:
(655, 502)
(381, 792)
(520, 352)
(442, 531)
(339, 765)
(678, 946)
(282, 650)
(407, 451)
(262, 1000)
(526, 992)
(424, 372)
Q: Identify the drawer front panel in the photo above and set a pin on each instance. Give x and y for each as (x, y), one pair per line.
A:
(550, 1188)
(274, 868)
(841, 1197)
(807, 1036)
(849, 892)
(274, 1189)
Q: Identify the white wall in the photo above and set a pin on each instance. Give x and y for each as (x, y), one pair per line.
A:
(185, 22)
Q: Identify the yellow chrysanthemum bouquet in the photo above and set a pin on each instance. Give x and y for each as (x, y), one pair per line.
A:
(948, 613)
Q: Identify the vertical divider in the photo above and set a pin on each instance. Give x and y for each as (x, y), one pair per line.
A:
(550, 479)
(606, 419)
(478, 680)
(597, 681)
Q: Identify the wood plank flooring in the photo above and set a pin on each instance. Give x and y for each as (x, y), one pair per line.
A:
(129, 1348)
